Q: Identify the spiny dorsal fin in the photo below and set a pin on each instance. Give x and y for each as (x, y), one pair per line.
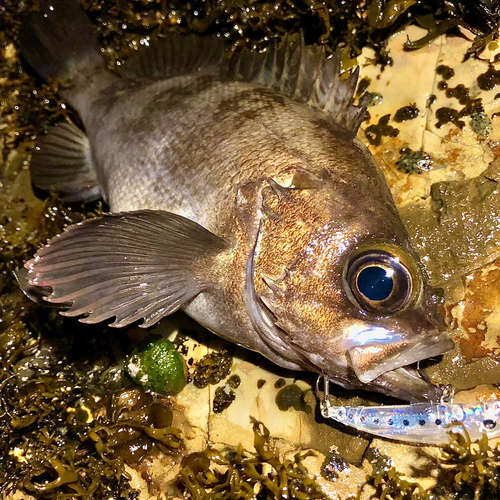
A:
(129, 265)
(304, 74)
(299, 71)
(174, 55)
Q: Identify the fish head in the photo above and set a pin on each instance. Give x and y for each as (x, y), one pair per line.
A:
(344, 289)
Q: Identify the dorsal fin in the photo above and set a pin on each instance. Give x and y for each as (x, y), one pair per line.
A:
(304, 74)
(174, 55)
(299, 71)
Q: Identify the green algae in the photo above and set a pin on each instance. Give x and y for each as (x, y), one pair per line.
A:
(157, 366)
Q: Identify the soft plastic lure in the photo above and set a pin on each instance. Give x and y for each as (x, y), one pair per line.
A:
(428, 423)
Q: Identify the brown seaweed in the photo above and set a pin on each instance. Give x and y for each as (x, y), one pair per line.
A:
(236, 473)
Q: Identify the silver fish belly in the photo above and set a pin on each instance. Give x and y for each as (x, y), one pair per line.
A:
(238, 193)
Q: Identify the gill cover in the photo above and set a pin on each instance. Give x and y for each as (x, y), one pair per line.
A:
(260, 306)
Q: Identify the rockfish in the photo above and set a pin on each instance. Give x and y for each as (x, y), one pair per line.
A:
(238, 193)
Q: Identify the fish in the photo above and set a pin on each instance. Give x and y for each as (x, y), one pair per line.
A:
(238, 193)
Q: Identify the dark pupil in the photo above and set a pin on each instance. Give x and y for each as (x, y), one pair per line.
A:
(374, 283)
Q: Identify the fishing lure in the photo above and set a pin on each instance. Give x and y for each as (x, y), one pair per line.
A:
(429, 423)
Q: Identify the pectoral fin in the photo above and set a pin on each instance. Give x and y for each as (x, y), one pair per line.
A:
(62, 163)
(129, 265)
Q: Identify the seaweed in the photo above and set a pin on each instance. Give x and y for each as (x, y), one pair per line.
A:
(464, 470)
(63, 433)
(253, 23)
(374, 133)
(236, 473)
(388, 482)
(212, 368)
(468, 468)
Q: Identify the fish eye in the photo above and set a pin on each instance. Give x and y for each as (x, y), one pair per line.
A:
(378, 281)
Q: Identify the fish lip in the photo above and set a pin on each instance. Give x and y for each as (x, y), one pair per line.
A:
(359, 357)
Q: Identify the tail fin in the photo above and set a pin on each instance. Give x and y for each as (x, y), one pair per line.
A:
(59, 41)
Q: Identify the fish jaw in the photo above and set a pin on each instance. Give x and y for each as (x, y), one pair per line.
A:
(372, 359)
(405, 383)
(408, 337)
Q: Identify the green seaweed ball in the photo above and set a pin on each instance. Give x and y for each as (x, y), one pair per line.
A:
(157, 366)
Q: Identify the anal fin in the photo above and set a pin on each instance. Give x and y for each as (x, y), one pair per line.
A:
(130, 265)
(62, 163)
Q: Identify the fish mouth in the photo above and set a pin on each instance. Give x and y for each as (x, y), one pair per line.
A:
(373, 360)
(405, 383)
